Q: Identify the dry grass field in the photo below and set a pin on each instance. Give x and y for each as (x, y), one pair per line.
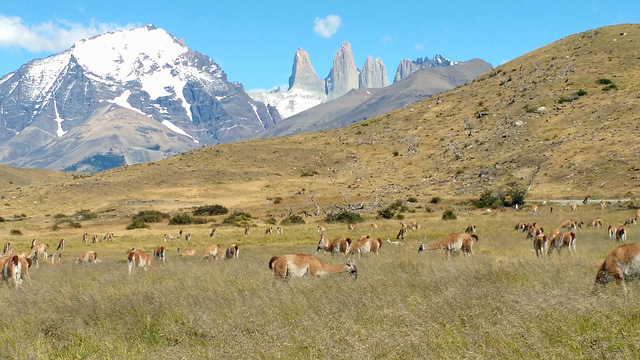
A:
(502, 303)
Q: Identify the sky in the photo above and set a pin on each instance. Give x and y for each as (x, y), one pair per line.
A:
(254, 42)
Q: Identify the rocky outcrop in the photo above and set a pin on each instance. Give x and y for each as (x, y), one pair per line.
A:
(373, 74)
(408, 67)
(303, 76)
(344, 74)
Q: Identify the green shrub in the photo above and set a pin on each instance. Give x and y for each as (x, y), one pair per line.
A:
(271, 221)
(55, 227)
(345, 216)
(15, 232)
(581, 92)
(435, 200)
(394, 209)
(449, 215)
(605, 81)
(293, 219)
(412, 199)
(182, 219)
(75, 225)
(237, 218)
(137, 224)
(210, 210)
(85, 214)
(150, 216)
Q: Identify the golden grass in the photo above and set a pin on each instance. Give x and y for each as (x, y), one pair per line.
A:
(502, 303)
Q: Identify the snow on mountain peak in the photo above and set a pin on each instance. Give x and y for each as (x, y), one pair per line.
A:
(124, 55)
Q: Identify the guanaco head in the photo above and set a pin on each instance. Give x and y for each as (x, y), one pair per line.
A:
(352, 269)
(422, 247)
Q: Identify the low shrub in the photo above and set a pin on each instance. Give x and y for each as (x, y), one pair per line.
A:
(237, 218)
(15, 232)
(345, 216)
(182, 219)
(210, 210)
(449, 215)
(293, 219)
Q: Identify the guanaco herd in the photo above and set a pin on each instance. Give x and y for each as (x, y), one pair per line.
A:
(622, 263)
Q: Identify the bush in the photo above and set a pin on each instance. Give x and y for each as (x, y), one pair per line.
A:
(345, 216)
(605, 81)
(515, 195)
(412, 199)
(276, 200)
(182, 219)
(449, 215)
(237, 218)
(137, 224)
(293, 219)
(75, 225)
(55, 227)
(394, 209)
(85, 214)
(210, 210)
(435, 200)
(15, 232)
(150, 216)
(271, 221)
(581, 92)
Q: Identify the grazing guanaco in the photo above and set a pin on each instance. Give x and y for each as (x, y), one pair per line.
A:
(622, 263)
(160, 253)
(301, 265)
(232, 252)
(138, 258)
(621, 234)
(187, 252)
(339, 245)
(88, 257)
(211, 251)
(453, 243)
(540, 244)
(561, 240)
(366, 245)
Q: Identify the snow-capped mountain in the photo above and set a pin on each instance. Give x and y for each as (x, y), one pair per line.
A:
(45, 104)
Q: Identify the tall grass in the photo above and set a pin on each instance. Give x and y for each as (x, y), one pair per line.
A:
(502, 303)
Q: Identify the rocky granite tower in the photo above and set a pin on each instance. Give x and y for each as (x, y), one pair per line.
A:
(373, 74)
(303, 76)
(344, 74)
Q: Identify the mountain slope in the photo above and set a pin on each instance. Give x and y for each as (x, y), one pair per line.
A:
(144, 70)
(470, 139)
(367, 103)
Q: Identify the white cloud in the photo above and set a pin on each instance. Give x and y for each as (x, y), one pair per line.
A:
(49, 36)
(418, 47)
(328, 26)
(385, 40)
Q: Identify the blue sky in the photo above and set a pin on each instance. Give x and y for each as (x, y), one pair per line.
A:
(255, 41)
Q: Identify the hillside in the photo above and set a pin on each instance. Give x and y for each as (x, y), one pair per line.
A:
(453, 146)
